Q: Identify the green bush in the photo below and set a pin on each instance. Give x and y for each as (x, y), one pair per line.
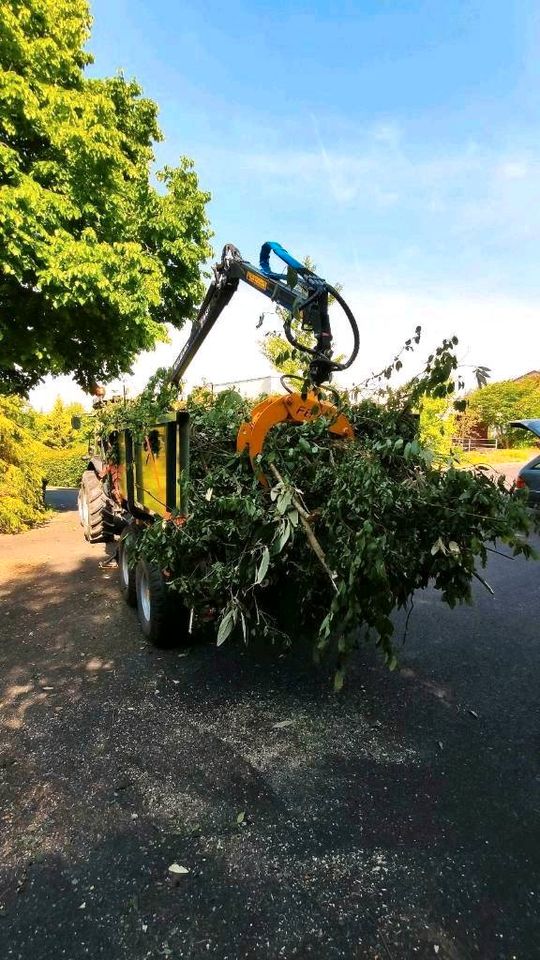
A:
(437, 425)
(25, 463)
(21, 502)
(63, 468)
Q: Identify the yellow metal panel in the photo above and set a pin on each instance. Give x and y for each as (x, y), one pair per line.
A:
(151, 471)
(256, 281)
(122, 482)
(178, 479)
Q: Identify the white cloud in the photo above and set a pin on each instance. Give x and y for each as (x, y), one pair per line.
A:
(514, 169)
(476, 189)
(43, 396)
(387, 132)
(501, 333)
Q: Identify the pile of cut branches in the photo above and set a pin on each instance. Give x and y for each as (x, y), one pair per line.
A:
(345, 532)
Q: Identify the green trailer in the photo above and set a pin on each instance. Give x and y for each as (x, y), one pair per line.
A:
(129, 483)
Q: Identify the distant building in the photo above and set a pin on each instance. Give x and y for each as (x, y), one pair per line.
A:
(480, 434)
(253, 387)
(531, 375)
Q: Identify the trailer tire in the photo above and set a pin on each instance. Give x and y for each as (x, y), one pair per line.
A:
(127, 574)
(95, 520)
(163, 618)
(153, 605)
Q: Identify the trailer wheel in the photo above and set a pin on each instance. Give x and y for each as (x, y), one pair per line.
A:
(163, 619)
(126, 574)
(95, 522)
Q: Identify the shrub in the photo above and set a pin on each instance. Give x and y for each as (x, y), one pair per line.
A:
(63, 467)
(437, 426)
(21, 502)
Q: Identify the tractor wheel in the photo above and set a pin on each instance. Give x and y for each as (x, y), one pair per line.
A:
(95, 522)
(163, 619)
(126, 574)
(81, 506)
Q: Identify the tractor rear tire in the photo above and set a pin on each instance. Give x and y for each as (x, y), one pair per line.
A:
(163, 618)
(95, 518)
(126, 573)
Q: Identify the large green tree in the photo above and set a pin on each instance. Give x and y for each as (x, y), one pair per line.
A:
(21, 501)
(496, 404)
(94, 259)
(57, 428)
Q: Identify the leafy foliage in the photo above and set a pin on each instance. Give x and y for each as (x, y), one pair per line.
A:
(21, 502)
(63, 467)
(385, 518)
(498, 403)
(93, 258)
(35, 447)
(437, 426)
(137, 414)
(56, 429)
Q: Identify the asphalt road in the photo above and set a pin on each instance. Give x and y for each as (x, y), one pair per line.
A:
(398, 819)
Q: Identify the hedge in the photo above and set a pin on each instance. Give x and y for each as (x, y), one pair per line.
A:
(21, 499)
(63, 468)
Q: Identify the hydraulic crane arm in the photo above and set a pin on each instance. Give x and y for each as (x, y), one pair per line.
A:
(300, 291)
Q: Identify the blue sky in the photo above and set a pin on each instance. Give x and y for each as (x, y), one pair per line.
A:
(395, 141)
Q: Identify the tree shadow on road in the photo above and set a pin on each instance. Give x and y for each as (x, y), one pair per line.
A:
(382, 809)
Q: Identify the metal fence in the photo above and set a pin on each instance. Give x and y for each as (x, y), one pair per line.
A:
(251, 387)
(474, 443)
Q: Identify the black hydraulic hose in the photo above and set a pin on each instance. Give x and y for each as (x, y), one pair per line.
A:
(316, 353)
(289, 376)
(353, 325)
(320, 386)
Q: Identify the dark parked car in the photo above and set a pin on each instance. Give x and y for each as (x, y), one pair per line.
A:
(529, 475)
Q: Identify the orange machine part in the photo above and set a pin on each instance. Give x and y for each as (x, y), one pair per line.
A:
(278, 409)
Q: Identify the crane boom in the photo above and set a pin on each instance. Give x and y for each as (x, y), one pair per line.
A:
(300, 291)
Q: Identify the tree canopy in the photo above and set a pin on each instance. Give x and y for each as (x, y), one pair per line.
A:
(496, 404)
(56, 429)
(21, 502)
(94, 259)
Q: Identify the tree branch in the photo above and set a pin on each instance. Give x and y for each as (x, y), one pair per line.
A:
(308, 529)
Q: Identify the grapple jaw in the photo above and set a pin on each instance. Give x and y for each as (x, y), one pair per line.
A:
(293, 408)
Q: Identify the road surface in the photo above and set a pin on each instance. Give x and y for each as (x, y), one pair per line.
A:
(398, 819)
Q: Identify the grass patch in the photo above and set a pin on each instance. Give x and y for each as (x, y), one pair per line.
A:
(490, 457)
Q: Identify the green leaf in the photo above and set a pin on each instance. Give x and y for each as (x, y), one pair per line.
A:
(241, 817)
(292, 277)
(263, 566)
(284, 501)
(293, 517)
(226, 626)
(283, 537)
